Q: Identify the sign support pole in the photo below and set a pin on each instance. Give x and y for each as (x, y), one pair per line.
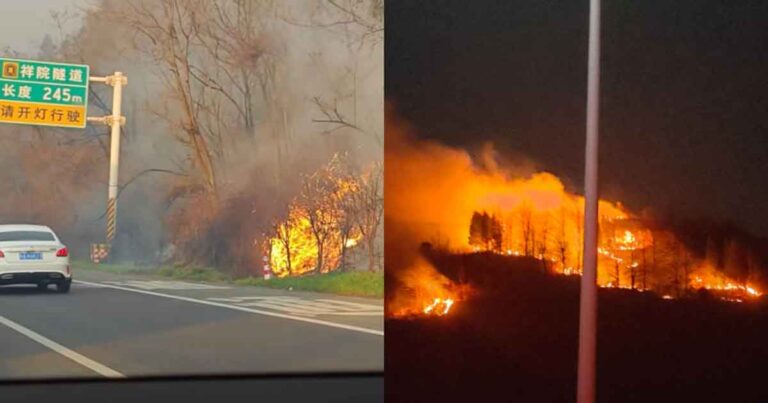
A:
(588, 299)
(117, 81)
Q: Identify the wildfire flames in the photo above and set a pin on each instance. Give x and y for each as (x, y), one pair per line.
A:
(294, 247)
(489, 209)
(719, 282)
(303, 249)
(439, 307)
(429, 293)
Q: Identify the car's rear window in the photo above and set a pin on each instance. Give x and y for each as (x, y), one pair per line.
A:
(11, 236)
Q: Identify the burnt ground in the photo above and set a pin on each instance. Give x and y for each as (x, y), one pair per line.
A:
(516, 340)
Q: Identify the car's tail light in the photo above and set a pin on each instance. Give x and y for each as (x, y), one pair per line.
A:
(63, 252)
(2, 254)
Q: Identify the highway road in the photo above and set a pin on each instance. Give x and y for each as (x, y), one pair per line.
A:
(115, 325)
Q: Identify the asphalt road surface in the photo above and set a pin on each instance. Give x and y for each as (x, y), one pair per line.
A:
(112, 325)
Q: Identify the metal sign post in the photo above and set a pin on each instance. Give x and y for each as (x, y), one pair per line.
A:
(117, 81)
(588, 300)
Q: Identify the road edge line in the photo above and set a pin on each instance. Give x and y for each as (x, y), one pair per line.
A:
(239, 308)
(84, 361)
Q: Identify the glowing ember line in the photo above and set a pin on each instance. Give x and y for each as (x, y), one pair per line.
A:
(439, 306)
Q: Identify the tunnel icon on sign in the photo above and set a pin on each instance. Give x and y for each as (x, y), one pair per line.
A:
(10, 70)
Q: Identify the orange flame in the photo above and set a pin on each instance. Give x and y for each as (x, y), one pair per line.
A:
(428, 292)
(707, 277)
(294, 249)
(439, 306)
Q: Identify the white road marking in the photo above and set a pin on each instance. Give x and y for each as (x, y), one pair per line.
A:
(90, 286)
(244, 309)
(72, 355)
(351, 304)
(355, 313)
(165, 285)
(306, 307)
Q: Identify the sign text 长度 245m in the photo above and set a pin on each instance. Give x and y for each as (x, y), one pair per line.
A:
(43, 93)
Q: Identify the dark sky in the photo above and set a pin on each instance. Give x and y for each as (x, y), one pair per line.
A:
(684, 125)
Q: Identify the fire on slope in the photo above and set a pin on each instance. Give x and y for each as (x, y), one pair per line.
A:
(439, 307)
(426, 292)
(435, 193)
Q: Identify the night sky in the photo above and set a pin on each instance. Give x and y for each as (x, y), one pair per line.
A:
(684, 124)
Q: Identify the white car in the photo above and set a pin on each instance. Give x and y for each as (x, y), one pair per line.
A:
(33, 254)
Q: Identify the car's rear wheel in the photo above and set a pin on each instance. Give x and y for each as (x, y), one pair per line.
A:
(63, 286)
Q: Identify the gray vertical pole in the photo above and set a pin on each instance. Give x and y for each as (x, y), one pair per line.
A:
(118, 80)
(588, 302)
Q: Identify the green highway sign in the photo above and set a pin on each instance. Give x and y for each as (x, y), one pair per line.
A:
(43, 93)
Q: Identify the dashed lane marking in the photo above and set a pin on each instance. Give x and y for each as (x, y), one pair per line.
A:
(165, 285)
(321, 322)
(306, 307)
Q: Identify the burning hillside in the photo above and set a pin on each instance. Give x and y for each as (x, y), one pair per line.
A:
(441, 195)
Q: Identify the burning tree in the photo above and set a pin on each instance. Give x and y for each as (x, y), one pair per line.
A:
(622, 245)
(485, 232)
(335, 210)
(284, 235)
(318, 198)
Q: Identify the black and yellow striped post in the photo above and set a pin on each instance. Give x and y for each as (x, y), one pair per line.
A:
(111, 219)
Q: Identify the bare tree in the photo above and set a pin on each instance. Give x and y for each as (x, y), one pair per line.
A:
(361, 20)
(348, 185)
(369, 208)
(361, 24)
(169, 32)
(233, 33)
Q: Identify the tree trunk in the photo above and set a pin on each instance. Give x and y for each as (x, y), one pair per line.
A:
(288, 260)
(371, 254)
(343, 256)
(319, 264)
